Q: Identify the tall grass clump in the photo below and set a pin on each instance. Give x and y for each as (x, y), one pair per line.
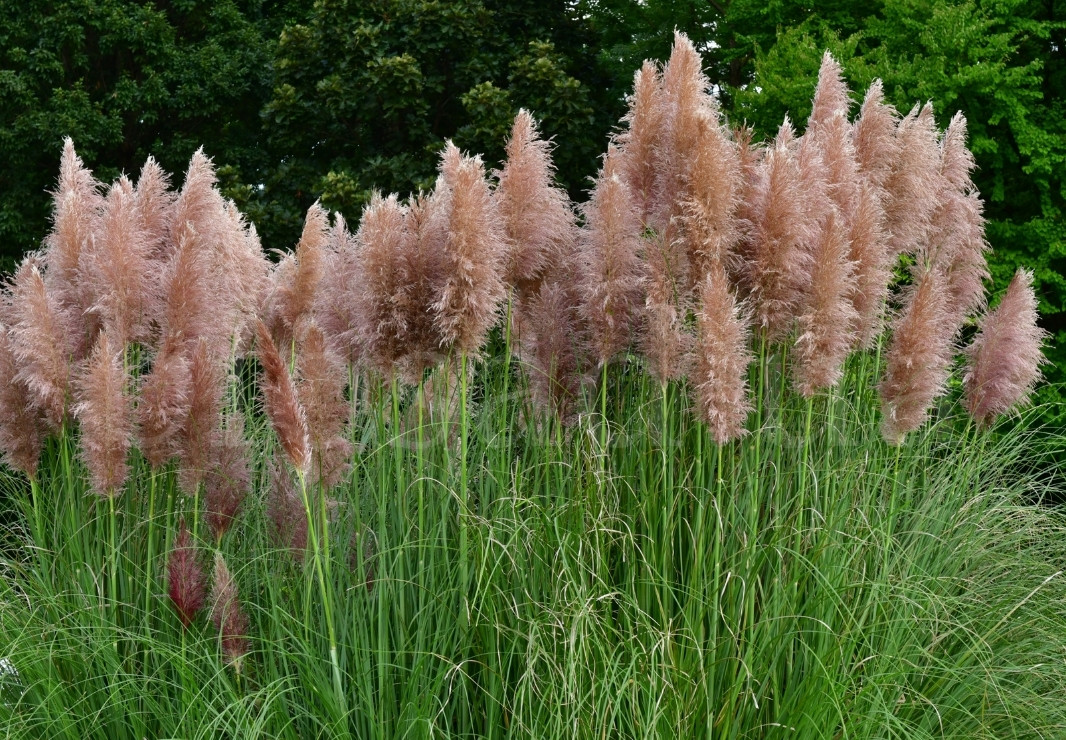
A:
(695, 458)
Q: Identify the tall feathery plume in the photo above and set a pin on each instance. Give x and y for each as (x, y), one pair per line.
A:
(688, 112)
(831, 133)
(709, 212)
(21, 430)
(779, 264)
(473, 288)
(228, 481)
(876, 151)
(958, 226)
(749, 177)
(295, 287)
(185, 577)
(722, 356)
(285, 510)
(200, 434)
(120, 268)
(826, 325)
(77, 208)
(664, 342)
(163, 407)
(426, 228)
(612, 276)
(282, 403)
(245, 278)
(382, 275)
(1005, 357)
(640, 142)
(188, 286)
(227, 615)
(42, 345)
(321, 391)
(555, 342)
(874, 137)
(919, 358)
(911, 187)
(338, 291)
(105, 413)
(155, 200)
(536, 216)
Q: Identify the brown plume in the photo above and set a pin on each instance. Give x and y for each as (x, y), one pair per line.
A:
(1005, 357)
(227, 615)
(282, 403)
(826, 326)
(722, 356)
(186, 582)
(919, 358)
(296, 285)
(612, 276)
(470, 296)
(105, 413)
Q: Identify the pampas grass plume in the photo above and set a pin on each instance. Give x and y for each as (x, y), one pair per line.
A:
(229, 479)
(1005, 357)
(722, 356)
(227, 615)
(185, 577)
(199, 436)
(282, 403)
(919, 358)
(322, 380)
(164, 404)
(640, 142)
(20, 423)
(105, 413)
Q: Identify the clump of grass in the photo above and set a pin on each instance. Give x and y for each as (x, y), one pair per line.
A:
(452, 531)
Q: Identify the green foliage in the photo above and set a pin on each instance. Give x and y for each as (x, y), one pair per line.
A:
(624, 578)
(366, 93)
(125, 80)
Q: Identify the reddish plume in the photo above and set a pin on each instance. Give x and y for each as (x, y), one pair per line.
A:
(120, 269)
(722, 356)
(186, 581)
(227, 615)
(296, 285)
(912, 186)
(164, 404)
(228, 481)
(199, 436)
(640, 142)
(282, 403)
(426, 231)
(383, 276)
(874, 136)
(472, 290)
(1005, 357)
(779, 263)
(155, 200)
(713, 187)
(321, 391)
(536, 216)
(105, 412)
(826, 325)
(338, 292)
(286, 511)
(665, 343)
(41, 343)
(612, 276)
(21, 432)
(919, 358)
